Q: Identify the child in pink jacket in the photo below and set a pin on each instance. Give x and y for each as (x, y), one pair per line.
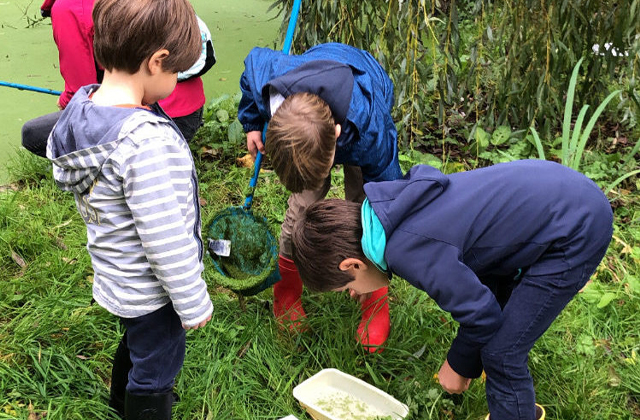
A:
(73, 33)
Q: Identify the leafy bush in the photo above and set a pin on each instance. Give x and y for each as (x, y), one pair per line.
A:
(460, 63)
(221, 138)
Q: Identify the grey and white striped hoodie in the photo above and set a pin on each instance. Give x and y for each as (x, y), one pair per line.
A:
(135, 186)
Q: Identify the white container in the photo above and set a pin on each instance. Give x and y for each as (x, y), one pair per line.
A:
(333, 395)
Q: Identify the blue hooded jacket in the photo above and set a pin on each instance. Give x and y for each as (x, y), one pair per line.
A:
(353, 84)
(450, 235)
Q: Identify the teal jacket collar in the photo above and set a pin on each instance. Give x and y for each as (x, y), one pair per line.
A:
(374, 240)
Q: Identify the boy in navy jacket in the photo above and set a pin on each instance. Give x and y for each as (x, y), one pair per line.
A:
(503, 249)
(329, 105)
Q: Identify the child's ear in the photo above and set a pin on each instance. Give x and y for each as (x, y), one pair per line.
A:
(354, 264)
(155, 61)
(338, 130)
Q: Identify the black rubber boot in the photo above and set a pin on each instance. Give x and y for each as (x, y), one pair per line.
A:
(119, 377)
(148, 407)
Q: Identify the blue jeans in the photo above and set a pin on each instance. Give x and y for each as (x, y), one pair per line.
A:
(533, 305)
(156, 344)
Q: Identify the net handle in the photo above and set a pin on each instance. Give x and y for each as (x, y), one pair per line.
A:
(286, 48)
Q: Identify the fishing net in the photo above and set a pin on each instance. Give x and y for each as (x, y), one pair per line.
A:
(251, 265)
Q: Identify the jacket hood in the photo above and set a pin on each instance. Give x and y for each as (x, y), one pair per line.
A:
(85, 136)
(395, 201)
(330, 80)
(368, 138)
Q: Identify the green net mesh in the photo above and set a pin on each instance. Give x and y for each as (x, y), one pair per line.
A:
(254, 252)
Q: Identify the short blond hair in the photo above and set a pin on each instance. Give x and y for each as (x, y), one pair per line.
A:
(301, 142)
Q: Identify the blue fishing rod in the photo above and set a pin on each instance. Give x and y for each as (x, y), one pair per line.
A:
(288, 39)
(31, 88)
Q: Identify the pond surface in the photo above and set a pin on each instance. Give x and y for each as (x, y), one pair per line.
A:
(28, 55)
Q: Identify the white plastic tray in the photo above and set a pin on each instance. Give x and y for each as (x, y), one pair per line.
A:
(333, 395)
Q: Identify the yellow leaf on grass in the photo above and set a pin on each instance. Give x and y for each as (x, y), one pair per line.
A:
(32, 415)
(9, 410)
(626, 248)
(245, 161)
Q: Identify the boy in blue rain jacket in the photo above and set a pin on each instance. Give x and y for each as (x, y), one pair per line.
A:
(330, 105)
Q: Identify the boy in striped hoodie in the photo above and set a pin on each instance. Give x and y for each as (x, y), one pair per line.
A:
(135, 186)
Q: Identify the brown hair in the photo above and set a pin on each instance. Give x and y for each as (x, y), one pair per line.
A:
(127, 32)
(301, 141)
(328, 232)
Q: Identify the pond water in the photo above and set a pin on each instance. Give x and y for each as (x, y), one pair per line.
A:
(28, 55)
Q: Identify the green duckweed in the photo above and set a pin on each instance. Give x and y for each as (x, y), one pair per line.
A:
(253, 249)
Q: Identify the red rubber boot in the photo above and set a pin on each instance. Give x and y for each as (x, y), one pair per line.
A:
(374, 327)
(287, 305)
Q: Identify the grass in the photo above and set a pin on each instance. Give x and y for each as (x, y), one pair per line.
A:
(56, 347)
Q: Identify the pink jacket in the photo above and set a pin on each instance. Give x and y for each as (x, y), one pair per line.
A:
(73, 33)
(187, 97)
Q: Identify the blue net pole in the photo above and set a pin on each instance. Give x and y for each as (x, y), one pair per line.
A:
(286, 48)
(31, 88)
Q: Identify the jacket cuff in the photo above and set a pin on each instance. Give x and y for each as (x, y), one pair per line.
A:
(464, 358)
(192, 321)
(252, 127)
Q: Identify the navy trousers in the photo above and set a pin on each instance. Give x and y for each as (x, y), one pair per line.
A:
(156, 344)
(533, 304)
(189, 124)
(35, 133)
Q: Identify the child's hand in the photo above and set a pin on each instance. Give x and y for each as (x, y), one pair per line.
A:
(254, 143)
(452, 382)
(361, 298)
(200, 325)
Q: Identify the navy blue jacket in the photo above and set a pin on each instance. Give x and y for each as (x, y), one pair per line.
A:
(449, 235)
(353, 84)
